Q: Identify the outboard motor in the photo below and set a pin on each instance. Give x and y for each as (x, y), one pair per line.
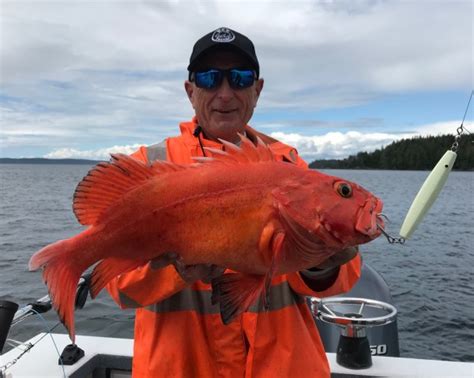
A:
(7, 312)
(364, 317)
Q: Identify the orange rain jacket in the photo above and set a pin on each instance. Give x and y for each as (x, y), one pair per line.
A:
(179, 333)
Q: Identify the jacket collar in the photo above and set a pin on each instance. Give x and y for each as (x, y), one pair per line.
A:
(187, 131)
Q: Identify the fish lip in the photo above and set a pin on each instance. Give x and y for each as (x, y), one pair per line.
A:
(369, 219)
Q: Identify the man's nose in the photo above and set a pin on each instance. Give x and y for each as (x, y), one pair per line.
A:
(225, 92)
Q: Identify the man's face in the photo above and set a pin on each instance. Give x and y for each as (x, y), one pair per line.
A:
(223, 112)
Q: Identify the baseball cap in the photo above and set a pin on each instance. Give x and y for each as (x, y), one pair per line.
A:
(225, 39)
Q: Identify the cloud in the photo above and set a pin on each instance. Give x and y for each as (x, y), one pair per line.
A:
(332, 145)
(338, 145)
(377, 43)
(78, 74)
(100, 154)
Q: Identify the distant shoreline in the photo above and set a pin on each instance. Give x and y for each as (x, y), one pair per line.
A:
(47, 161)
(19, 161)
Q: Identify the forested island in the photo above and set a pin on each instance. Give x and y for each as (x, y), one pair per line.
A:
(46, 161)
(419, 153)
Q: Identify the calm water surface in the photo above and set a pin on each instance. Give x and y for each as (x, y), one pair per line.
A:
(431, 276)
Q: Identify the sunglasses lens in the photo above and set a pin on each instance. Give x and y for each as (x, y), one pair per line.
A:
(208, 79)
(211, 79)
(241, 78)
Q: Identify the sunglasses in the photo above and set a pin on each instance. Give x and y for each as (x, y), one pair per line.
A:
(212, 78)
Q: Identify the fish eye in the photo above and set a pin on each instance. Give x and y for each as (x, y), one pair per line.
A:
(344, 189)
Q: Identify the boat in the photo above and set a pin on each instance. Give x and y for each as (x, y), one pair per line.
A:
(358, 329)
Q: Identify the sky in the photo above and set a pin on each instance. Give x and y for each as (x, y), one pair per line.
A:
(82, 79)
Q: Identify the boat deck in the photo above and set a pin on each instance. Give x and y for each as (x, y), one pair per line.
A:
(112, 357)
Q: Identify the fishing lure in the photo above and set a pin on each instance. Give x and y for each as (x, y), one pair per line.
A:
(427, 194)
(430, 189)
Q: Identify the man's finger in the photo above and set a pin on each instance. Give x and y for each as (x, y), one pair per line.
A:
(214, 272)
(192, 273)
(163, 260)
(339, 258)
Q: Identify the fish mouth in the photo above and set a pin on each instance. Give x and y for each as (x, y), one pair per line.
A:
(369, 219)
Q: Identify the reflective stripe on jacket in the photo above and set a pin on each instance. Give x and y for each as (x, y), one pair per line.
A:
(179, 333)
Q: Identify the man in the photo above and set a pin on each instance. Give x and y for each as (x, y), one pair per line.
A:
(178, 332)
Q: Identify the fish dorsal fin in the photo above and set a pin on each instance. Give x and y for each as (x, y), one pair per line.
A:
(247, 152)
(109, 181)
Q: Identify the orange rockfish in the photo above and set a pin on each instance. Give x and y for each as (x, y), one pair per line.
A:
(240, 209)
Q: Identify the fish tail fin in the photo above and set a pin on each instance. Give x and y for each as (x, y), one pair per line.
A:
(61, 274)
(47, 254)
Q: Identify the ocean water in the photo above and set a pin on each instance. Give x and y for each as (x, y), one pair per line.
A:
(430, 277)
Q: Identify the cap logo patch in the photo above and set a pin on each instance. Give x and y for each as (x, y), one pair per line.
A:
(224, 35)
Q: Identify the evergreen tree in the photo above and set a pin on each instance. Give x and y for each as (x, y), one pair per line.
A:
(418, 153)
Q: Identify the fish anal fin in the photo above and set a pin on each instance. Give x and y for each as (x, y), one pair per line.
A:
(109, 268)
(235, 293)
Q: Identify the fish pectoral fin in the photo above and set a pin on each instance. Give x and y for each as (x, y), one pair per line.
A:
(235, 293)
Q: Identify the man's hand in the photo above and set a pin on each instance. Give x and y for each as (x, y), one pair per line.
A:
(324, 275)
(339, 258)
(189, 273)
(203, 272)
(163, 260)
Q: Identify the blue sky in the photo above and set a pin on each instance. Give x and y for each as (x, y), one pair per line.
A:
(83, 79)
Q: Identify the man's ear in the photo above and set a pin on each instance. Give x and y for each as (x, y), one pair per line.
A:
(189, 88)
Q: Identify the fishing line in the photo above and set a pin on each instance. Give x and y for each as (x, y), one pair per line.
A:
(30, 345)
(467, 107)
(430, 189)
(52, 339)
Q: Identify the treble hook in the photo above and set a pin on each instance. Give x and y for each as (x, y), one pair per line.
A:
(390, 239)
